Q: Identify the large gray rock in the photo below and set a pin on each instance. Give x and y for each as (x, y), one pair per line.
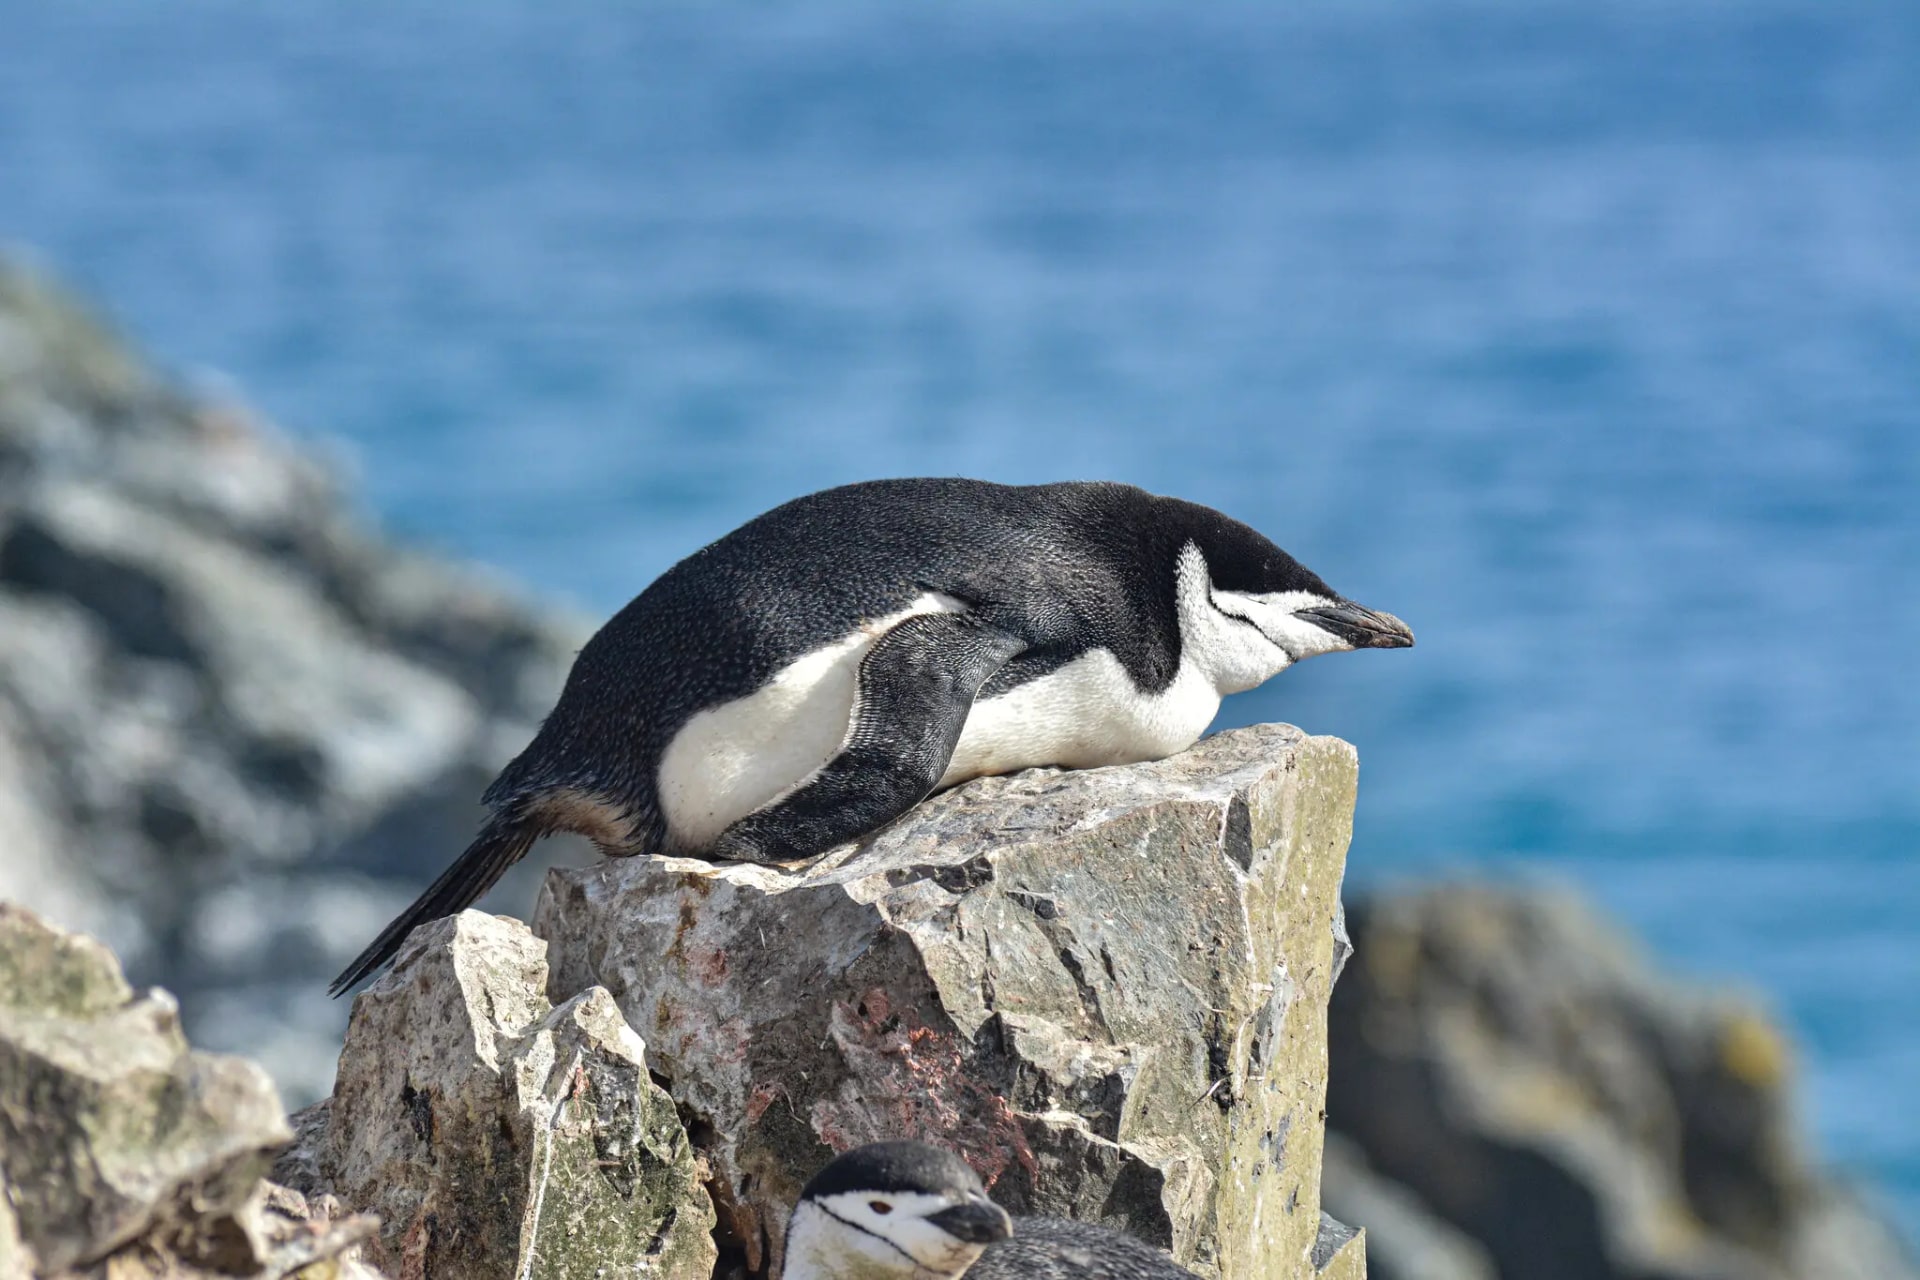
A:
(264, 727)
(497, 1135)
(1532, 1086)
(1106, 989)
(122, 1148)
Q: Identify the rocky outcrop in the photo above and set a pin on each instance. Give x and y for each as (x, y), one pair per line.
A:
(497, 1135)
(123, 1152)
(237, 730)
(1521, 1096)
(1105, 988)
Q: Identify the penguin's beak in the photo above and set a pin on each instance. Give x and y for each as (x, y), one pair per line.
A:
(1360, 627)
(974, 1222)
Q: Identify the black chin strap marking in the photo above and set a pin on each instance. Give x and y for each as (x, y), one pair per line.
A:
(917, 1264)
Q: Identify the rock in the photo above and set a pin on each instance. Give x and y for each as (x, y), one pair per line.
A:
(16, 1263)
(1529, 1083)
(1339, 1251)
(277, 1236)
(266, 727)
(498, 1135)
(299, 1166)
(109, 1124)
(121, 1149)
(1404, 1240)
(1105, 988)
(1840, 1237)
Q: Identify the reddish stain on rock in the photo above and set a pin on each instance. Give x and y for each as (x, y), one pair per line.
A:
(910, 1080)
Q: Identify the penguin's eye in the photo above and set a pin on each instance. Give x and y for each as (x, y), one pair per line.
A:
(880, 1206)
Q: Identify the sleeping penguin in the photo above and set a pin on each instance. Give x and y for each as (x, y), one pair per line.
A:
(910, 1211)
(820, 670)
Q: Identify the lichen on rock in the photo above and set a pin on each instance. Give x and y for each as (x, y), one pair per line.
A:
(122, 1149)
(498, 1135)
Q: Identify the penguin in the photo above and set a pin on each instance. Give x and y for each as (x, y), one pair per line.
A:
(910, 1211)
(814, 674)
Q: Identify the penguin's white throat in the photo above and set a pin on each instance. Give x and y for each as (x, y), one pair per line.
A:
(847, 1241)
(1237, 639)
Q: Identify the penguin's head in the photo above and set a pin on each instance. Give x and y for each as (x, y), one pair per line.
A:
(892, 1211)
(1251, 610)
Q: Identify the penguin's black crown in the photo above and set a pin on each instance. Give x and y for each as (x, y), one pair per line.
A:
(896, 1167)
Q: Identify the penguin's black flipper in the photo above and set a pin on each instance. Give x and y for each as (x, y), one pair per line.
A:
(917, 684)
(503, 841)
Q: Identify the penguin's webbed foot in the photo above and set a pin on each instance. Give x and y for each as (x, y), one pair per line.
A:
(748, 841)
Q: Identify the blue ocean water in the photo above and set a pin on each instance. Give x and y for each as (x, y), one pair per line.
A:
(1585, 337)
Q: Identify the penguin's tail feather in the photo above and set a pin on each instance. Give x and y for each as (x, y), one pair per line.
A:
(503, 841)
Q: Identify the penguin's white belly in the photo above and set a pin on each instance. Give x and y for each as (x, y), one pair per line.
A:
(737, 758)
(1087, 713)
(731, 760)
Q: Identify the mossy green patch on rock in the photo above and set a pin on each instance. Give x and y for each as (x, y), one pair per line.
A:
(110, 1127)
(52, 973)
(616, 1189)
(499, 1136)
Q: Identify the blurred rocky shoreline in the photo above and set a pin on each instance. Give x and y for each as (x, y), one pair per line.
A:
(239, 728)
(1516, 1092)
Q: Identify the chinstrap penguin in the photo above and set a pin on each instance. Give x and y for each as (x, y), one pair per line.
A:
(910, 1211)
(817, 672)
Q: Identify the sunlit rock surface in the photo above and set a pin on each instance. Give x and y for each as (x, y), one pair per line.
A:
(497, 1135)
(122, 1151)
(1106, 988)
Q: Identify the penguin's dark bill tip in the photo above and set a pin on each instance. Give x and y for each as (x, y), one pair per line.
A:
(1361, 627)
(974, 1222)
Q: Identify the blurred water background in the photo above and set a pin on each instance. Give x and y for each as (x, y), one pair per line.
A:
(1585, 337)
